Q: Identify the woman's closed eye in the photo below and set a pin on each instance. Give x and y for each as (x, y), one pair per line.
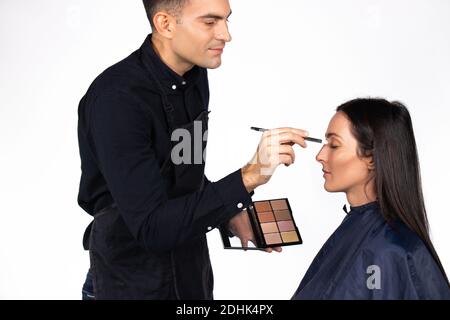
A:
(332, 145)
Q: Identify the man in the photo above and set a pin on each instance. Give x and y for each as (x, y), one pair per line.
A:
(151, 201)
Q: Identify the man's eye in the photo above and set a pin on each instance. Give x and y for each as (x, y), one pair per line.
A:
(210, 22)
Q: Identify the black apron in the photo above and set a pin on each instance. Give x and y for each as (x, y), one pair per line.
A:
(122, 269)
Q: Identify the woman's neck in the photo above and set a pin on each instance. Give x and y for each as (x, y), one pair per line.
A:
(364, 194)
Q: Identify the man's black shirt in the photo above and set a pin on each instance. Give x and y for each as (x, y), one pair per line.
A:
(124, 139)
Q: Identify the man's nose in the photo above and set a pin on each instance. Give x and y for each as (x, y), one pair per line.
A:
(223, 33)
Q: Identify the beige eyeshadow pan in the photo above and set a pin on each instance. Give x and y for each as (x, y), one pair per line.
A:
(266, 217)
(283, 215)
(263, 206)
(286, 225)
(279, 205)
(269, 227)
(272, 238)
(290, 236)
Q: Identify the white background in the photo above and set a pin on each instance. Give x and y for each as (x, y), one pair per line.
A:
(290, 63)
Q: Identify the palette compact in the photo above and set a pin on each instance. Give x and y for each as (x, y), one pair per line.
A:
(272, 223)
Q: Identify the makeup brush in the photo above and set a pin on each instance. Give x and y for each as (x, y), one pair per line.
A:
(306, 138)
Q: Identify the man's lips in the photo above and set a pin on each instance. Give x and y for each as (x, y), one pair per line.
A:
(325, 172)
(218, 49)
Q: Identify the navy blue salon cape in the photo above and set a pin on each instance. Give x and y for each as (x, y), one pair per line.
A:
(365, 258)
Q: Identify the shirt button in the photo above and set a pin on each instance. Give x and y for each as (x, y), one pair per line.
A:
(209, 228)
(183, 83)
(174, 87)
(240, 205)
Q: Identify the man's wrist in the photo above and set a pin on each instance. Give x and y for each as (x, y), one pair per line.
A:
(248, 179)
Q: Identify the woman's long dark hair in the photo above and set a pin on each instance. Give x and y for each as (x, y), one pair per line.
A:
(384, 131)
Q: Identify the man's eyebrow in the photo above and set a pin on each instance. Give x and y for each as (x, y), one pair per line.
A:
(214, 16)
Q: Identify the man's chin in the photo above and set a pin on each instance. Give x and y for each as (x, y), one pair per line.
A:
(212, 64)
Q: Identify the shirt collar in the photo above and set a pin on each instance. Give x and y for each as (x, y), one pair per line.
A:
(364, 207)
(169, 79)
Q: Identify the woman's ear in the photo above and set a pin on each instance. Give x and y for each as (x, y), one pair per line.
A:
(164, 24)
(370, 163)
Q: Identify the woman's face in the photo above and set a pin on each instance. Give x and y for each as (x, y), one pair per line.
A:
(344, 170)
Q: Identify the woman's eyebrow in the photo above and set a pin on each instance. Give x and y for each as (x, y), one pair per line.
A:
(329, 135)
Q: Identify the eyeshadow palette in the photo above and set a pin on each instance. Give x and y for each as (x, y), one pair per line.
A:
(272, 223)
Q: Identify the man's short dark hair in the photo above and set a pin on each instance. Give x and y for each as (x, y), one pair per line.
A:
(174, 7)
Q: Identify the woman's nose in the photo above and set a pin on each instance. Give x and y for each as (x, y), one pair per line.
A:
(321, 155)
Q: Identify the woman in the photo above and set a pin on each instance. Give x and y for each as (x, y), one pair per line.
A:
(382, 249)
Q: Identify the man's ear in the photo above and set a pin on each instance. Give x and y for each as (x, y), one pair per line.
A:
(164, 24)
